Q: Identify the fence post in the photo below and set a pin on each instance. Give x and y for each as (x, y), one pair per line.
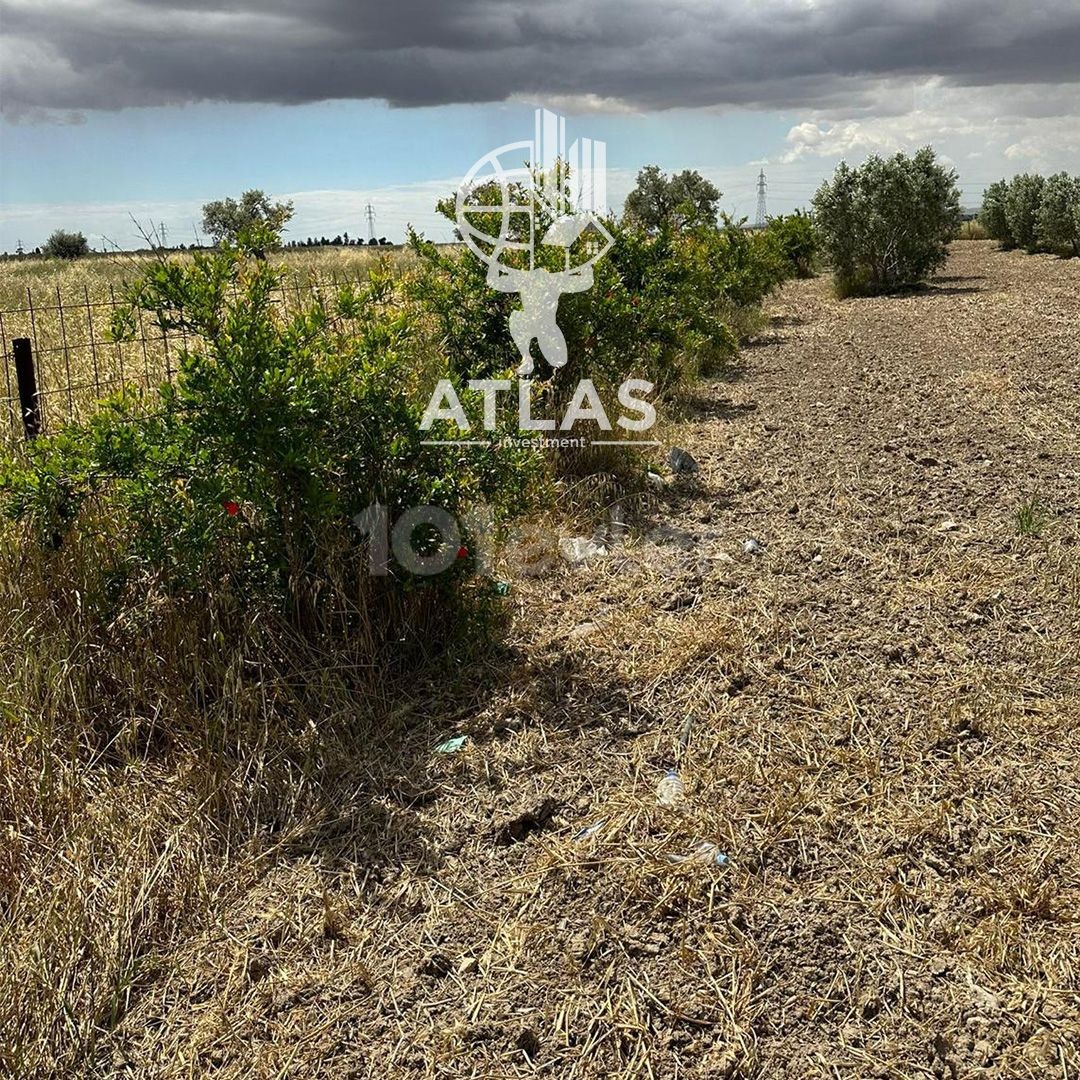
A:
(30, 405)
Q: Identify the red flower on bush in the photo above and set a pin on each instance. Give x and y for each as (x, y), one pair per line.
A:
(231, 508)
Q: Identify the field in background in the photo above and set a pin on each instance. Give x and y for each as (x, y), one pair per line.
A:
(65, 309)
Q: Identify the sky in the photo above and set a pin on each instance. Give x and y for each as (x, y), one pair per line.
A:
(117, 112)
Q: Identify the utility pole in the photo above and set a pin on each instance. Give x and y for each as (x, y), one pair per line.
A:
(761, 214)
(164, 234)
(369, 213)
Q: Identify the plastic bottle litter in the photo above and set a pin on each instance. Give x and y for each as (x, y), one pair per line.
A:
(671, 791)
(705, 852)
(577, 549)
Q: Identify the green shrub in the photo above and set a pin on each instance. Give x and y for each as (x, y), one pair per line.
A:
(246, 474)
(662, 307)
(655, 310)
(1058, 220)
(798, 242)
(992, 216)
(1022, 198)
(66, 245)
(887, 224)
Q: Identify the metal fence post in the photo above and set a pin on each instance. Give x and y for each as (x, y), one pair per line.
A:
(29, 402)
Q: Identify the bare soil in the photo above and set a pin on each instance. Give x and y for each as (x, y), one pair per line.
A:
(876, 720)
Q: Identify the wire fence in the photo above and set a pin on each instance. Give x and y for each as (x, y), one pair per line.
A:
(73, 361)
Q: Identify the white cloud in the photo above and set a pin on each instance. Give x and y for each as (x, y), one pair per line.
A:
(1003, 128)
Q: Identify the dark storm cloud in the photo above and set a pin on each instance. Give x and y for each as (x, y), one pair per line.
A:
(106, 54)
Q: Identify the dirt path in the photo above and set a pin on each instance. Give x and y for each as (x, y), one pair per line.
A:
(880, 721)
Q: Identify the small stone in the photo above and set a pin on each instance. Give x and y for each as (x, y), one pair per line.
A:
(655, 481)
(752, 546)
(467, 965)
(984, 1000)
(618, 529)
(948, 525)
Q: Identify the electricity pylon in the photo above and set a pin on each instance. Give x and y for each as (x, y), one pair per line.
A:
(761, 214)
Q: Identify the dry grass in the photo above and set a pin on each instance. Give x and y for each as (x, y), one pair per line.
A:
(972, 230)
(875, 720)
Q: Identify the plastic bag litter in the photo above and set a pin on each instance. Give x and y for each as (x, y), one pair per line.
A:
(452, 746)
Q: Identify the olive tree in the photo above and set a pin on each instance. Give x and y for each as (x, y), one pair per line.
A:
(680, 201)
(1022, 199)
(992, 215)
(1057, 224)
(887, 224)
(225, 219)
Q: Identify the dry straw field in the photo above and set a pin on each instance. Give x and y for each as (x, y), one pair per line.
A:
(875, 718)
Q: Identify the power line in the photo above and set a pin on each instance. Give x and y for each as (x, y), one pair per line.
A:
(369, 213)
(761, 212)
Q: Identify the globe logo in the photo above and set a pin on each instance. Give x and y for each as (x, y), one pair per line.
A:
(527, 196)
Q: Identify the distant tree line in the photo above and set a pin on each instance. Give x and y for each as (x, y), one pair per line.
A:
(223, 221)
(342, 240)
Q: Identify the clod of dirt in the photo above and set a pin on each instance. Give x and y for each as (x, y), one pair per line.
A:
(259, 967)
(738, 683)
(518, 828)
(529, 1044)
(436, 966)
